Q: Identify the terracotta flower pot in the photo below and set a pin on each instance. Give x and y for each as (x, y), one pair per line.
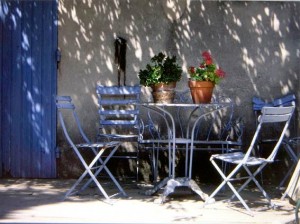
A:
(164, 87)
(163, 93)
(163, 96)
(201, 91)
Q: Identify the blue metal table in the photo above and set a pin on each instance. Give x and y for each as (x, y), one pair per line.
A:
(171, 182)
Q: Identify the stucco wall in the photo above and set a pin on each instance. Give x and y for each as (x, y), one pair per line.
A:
(256, 43)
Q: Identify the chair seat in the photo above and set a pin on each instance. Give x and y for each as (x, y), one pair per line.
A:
(166, 141)
(237, 157)
(97, 145)
(118, 136)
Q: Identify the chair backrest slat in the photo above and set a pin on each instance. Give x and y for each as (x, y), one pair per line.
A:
(275, 114)
(114, 101)
(118, 90)
(117, 122)
(120, 112)
(65, 106)
(118, 106)
(275, 118)
(277, 110)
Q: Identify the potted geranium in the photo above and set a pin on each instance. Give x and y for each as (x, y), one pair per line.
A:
(203, 79)
(161, 74)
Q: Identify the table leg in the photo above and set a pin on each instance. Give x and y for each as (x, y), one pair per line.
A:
(172, 183)
(159, 186)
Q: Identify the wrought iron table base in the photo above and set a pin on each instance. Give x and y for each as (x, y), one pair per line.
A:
(172, 183)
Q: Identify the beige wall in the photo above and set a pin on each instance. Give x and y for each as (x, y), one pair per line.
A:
(256, 43)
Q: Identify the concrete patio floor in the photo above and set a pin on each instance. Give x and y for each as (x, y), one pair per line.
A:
(40, 201)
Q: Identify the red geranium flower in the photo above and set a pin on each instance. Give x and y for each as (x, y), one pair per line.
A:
(192, 69)
(208, 61)
(220, 73)
(207, 70)
(206, 55)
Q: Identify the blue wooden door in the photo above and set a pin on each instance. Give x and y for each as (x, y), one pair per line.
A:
(28, 43)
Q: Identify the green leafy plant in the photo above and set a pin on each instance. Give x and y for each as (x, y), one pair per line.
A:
(161, 69)
(207, 70)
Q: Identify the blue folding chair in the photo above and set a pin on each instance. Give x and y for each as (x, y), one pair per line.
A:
(119, 119)
(248, 160)
(91, 168)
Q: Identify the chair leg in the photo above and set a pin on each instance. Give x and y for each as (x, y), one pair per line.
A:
(103, 166)
(155, 157)
(71, 190)
(154, 160)
(111, 176)
(90, 180)
(221, 185)
(226, 180)
(252, 177)
(88, 171)
(137, 164)
(297, 210)
(293, 158)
